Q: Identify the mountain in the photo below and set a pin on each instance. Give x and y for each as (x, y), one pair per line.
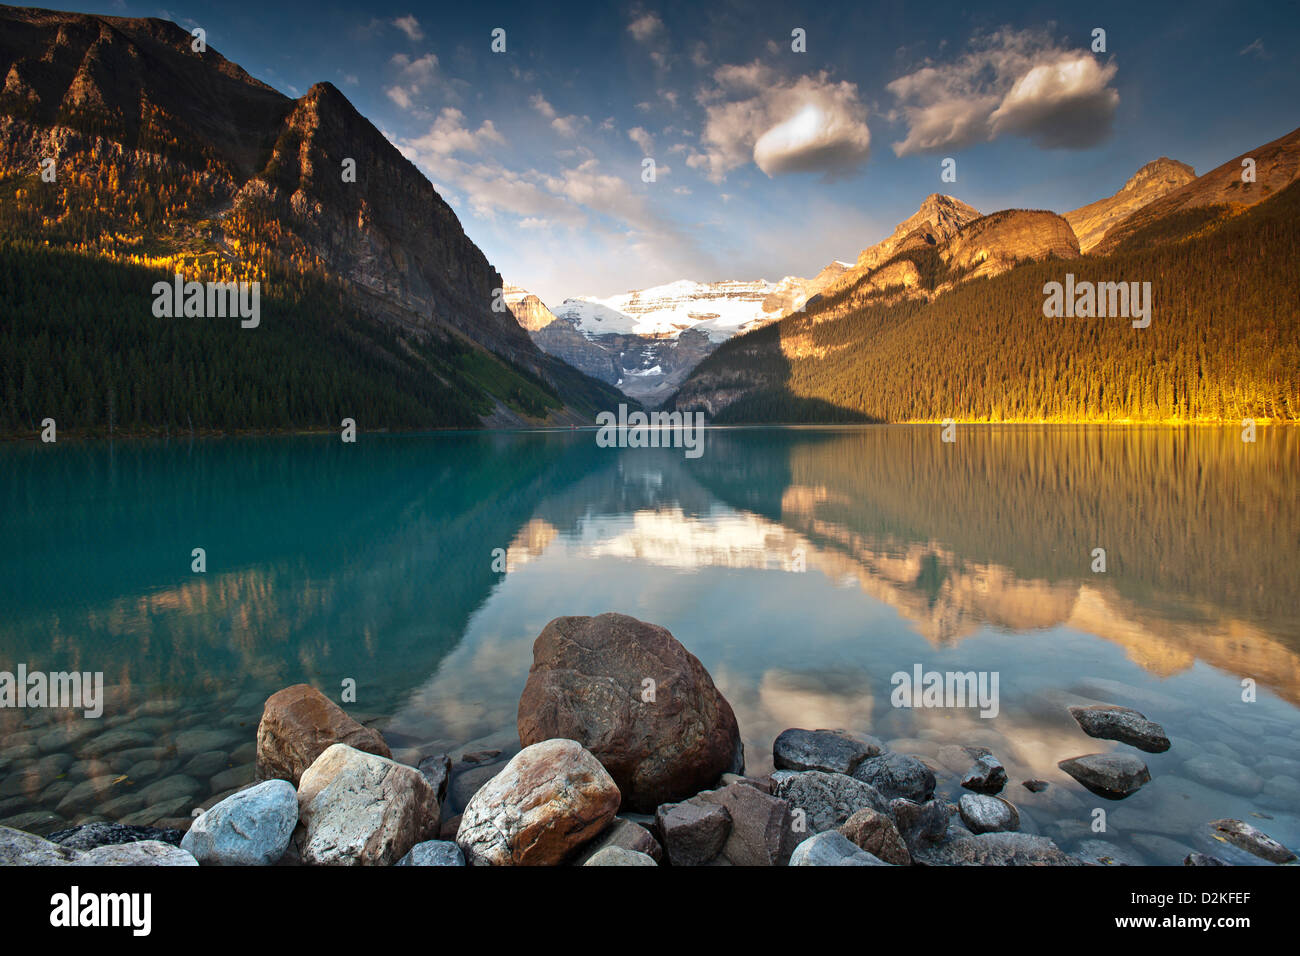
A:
(646, 341)
(1218, 194)
(529, 311)
(957, 329)
(1149, 183)
(178, 160)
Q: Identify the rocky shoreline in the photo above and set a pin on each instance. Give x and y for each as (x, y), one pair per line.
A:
(630, 756)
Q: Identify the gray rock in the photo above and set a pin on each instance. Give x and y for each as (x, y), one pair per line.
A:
(18, 848)
(693, 832)
(993, 849)
(143, 853)
(437, 770)
(1035, 786)
(433, 853)
(1109, 722)
(626, 834)
(1246, 837)
(465, 785)
(897, 775)
(360, 809)
(832, 848)
(251, 828)
(987, 775)
(1202, 859)
(1113, 775)
(987, 814)
(832, 751)
(619, 856)
(90, 836)
(1223, 773)
(920, 824)
(826, 800)
(760, 833)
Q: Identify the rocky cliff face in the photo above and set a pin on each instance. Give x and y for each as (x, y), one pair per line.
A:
(1148, 184)
(529, 311)
(261, 176)
(996, 243)
(1276, 166)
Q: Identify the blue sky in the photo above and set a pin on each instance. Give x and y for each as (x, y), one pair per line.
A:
(768, 162)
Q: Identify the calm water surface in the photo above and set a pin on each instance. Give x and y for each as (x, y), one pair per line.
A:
(804, 567)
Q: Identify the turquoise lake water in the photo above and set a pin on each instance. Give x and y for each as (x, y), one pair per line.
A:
(803, 567)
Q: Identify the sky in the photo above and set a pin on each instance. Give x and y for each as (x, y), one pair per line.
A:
(768, 160)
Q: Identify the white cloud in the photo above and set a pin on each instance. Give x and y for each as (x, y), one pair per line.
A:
(1017, 83)
(540, 104)
(414, 75)
(449, 134)
(645, 27)
(643, 139)
(806, 124)
(411, 27)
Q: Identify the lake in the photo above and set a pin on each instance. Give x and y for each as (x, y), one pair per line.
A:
(804, 567)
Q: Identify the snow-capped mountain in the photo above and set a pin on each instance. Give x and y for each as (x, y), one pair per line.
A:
(646, 341)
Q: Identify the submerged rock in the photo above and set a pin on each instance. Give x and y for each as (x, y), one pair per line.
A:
(298, 724)
(1202, 859)
(1223, 773)
(549, 799)
(1246, 837)
(986, 775)
(1109, 722)
(1113, 776)
(588, 683)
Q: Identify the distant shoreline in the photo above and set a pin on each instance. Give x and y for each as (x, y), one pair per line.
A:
(207, 434)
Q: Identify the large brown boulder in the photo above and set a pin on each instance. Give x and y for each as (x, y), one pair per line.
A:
(661, 742)
(299, 724)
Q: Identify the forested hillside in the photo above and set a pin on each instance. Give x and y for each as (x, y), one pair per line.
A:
(80, 344)
(1223, 343)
